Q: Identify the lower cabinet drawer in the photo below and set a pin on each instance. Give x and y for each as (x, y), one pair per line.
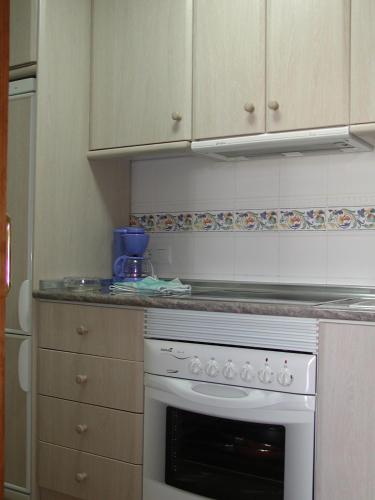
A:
(97, 330)
(93, 429)
(108, 382)
(85, 476)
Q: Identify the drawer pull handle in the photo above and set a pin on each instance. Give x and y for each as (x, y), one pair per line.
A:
(82, 330)
(249, 107)
(176, 116)
(81, 476)
(81, 379)
(274, 105)
(81, 428)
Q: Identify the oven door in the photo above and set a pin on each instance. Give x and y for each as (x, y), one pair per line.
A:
(205, 440)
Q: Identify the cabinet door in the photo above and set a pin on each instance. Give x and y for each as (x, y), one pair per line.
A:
(18, 204)
(363, 62)
(15, 416)
(229, 69)
(307, 63)
(345, 431)
(23, 32)
(141, 72)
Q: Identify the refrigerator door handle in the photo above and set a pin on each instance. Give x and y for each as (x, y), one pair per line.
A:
(8, 256)
(24, 306)
(24, 365)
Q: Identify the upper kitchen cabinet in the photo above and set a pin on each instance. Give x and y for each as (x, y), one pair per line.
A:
(229, 67)
(363, 62)
(141, 72)
(308, 63)
(23, 32)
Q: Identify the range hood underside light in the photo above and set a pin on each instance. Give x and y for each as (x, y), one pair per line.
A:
(287, 144)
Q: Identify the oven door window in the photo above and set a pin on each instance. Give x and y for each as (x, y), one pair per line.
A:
(224, 459)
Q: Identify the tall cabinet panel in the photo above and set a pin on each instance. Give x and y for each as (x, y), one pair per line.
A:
(20, 174)
(229, 68)
(23, 32)
(18, 200)
(16, 419)
(345, 432)
(363, 62)
(307, 63)
(141, 72)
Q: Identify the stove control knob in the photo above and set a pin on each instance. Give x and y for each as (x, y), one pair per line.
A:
(266, 375)
(285, 377)
(195, 366)
(229, 370)
(247, 372)
(212, 367)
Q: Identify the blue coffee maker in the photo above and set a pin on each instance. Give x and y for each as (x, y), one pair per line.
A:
(129, 243)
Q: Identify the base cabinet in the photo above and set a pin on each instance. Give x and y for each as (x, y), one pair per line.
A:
(87, 476)
(345, 443)
(90, 407)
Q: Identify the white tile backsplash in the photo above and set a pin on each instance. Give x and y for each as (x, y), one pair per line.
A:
(260, 189)
(303, 257)
(182, 252)
(350, 257)
(351, 181)
(303, 183)
(256, 256)
(182, 184)
(213, 255)
(197, 184)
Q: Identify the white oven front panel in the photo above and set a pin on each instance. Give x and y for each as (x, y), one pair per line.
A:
(262, 369)
(295, 412)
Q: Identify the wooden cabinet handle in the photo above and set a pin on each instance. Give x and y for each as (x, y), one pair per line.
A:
(82, 330)
(177, 117)
(249, 107)
(81, 476)
(274, 105)
(81, 379)
(81, 428)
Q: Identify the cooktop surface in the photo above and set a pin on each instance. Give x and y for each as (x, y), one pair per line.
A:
(333, 297)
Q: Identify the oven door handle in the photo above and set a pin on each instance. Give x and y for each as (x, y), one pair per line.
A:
(227, 396)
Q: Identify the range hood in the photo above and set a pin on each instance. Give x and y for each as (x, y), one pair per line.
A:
(289, 144)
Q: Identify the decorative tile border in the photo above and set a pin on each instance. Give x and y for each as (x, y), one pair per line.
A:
(244, 220)
(304, 219)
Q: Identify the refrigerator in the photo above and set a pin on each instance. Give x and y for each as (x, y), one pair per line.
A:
(18, 330)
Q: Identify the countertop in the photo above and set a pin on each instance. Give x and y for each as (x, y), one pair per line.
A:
(334, 303)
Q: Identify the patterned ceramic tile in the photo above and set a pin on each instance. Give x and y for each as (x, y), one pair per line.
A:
(145, 220)
(310, 219)
(256, 220)
(185, 222)
(205, 221)
(225, 221)
(351, 218)
(166, 223)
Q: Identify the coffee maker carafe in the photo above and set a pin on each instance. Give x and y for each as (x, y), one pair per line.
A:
(129, 246)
